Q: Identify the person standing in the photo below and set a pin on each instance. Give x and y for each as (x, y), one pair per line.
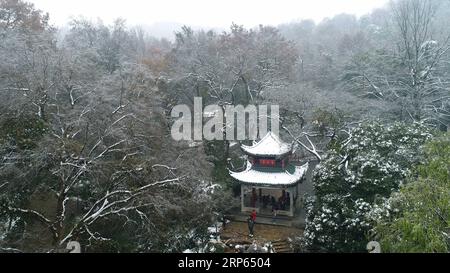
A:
(253, 216)
(224, 221)
(274, 212)
(251, 226)
(254, 198)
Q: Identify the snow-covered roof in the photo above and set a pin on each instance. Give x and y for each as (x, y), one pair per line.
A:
(270, 145)
(264, 178)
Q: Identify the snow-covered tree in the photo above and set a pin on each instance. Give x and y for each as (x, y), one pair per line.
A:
(84, 147)
(416, 219)
(355, 174)
(230, 68)
(18, 14)
(408, 70)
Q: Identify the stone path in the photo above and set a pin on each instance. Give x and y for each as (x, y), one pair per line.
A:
(236, 233)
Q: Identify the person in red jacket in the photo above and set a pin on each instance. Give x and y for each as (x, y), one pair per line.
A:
(253, 215)
(251, 222)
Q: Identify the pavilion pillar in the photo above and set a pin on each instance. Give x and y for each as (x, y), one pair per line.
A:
(242, 198)
(291, 207)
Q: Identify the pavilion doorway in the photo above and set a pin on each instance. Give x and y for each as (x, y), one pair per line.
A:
(263, 200)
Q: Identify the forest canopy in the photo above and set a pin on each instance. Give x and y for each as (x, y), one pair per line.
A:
(86, 152)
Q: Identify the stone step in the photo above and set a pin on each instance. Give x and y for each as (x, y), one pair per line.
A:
(282, 246)
(279, 244)
(283, 251)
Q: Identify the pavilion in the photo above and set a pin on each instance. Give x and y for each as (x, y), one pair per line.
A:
(269, 179)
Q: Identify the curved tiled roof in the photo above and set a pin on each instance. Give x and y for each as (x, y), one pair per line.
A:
(270, 145)
(287, 177)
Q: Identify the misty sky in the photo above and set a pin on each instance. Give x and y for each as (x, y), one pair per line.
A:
(204, 13)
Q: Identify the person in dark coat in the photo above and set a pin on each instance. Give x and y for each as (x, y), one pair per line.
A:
(224, 221)
(266, 200)
(275, 209)
(272, 200)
